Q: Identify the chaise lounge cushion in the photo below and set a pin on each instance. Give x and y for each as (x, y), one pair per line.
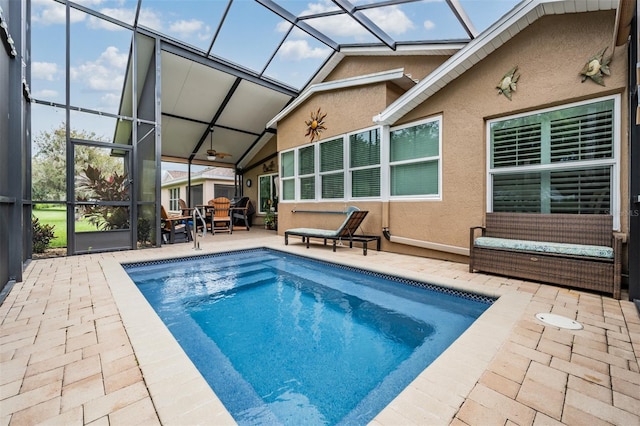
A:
(319, 233)
(545, 247)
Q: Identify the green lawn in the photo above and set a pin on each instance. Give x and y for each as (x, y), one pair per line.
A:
(57, 216)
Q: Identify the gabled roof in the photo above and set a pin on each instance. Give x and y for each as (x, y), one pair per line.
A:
(479, 48)
(397, 76)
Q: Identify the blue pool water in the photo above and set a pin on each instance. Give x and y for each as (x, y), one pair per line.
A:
(283, 339)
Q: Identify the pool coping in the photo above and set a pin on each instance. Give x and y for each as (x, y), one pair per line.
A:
(181, 395)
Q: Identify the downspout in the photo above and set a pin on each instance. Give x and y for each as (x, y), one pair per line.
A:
(416, 243)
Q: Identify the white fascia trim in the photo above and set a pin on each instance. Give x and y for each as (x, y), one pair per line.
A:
(336, 85)
(521, 16)
(406, 50)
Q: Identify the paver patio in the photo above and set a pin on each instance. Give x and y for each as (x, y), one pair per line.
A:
(77, 347)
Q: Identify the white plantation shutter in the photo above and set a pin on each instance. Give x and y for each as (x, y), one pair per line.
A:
(585, 137)
(516, 146)
(581, 191)
(559, 161)
(516, 192)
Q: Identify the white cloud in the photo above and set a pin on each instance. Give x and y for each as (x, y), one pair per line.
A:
(93, 4)
(110, 99)
(51, 13)
(283, 26)
(429, 25)
(339, 26)
(186, 28)
(124, 15)
(149, 18)
(320, 7)
(46, 94)
(300, 50)
(44, 70)
(391, 20)
(104, 74)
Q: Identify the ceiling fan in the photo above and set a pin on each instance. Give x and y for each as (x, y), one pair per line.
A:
(212, 154)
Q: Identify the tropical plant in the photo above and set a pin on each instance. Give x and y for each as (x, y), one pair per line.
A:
(49, 161)
(42, 235)
(94, 186)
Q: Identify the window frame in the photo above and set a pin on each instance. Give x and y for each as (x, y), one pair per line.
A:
(174, 198)
(273, 187)
(381, 165)
(285, 179)
(613, 162)
(437, 158)
(342, 171)
(314, 149)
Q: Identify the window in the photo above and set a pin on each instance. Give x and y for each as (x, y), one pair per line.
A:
(555, 161)
(221, 190)
(306, 170)
(332, 169)
(414, 154)
(174, 198)
(364, 163)
(287, 172)
(268, 193)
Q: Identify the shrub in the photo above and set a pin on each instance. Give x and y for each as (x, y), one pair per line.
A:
(42, 235)
(144, 230)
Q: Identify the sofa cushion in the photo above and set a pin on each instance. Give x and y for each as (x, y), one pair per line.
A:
(545, 247)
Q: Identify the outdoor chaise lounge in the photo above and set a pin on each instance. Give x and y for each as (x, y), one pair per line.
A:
(346, 231)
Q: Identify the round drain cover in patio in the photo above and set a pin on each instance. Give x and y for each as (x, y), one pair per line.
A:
(559, 321)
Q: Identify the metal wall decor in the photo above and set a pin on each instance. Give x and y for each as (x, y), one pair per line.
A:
(315, 125)
(596, 67)
(508, 82)
(268, 168)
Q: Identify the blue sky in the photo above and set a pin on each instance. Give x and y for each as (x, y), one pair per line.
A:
(251, 33)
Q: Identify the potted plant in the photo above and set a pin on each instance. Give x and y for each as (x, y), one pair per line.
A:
(270, 220)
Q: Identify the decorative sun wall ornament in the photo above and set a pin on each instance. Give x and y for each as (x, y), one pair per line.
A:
(315, 125)
(595, 67)
(508, 82)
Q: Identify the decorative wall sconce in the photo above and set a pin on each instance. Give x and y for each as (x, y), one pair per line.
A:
(271, 167)
(7, 40)
(315, 125)
(508, 82)
(595, 67)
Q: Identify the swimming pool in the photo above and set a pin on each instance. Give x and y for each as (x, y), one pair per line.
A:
(362, 337)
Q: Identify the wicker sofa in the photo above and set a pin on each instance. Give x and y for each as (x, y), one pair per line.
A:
(572, 250)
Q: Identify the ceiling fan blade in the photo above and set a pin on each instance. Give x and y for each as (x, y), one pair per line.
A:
(214, 153)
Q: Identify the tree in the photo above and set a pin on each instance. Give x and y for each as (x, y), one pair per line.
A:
(49, 174)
